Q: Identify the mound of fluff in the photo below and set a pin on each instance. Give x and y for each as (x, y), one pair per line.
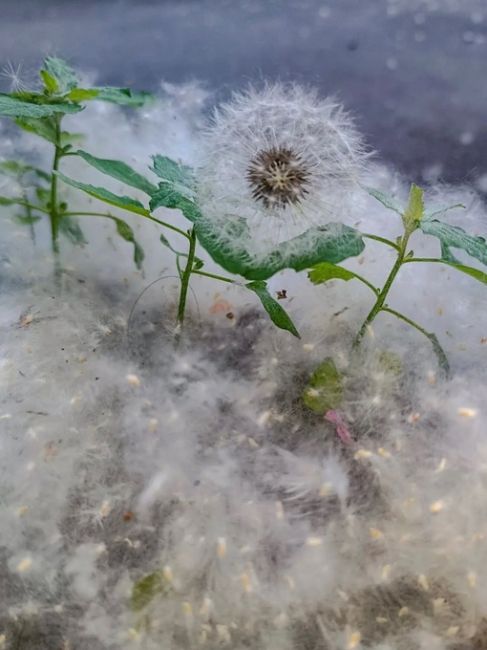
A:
(161, 497)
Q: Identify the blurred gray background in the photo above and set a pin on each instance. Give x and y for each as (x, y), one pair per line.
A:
(412, 71)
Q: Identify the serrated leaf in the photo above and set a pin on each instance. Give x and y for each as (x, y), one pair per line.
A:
(82, 94)
(15, 107)
(455, 237)
(146, 589)
(122, 96)
(228, 247)
(44, 127)
(386, 201)
(126, 232)
(324, 391)
(166, 196)
(171, 171)
(276, 312)
(62, 73)
(325, 271)
(50, 83)
(119, 170)
(415, 209)
(123, 202)
(70, 228)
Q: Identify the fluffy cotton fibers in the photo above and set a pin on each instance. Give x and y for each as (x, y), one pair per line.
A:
(159, 497)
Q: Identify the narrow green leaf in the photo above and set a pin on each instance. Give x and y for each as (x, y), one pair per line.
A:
(26, 220)
(4, 200)
(469, 270)
(430, 215)
(62, 73)
(18, 169)
(126, 232)
(325, 388)
(70, 228)
(455, 237)
(50, 83)
(325, 271)
(415, 209)
(82, 94)
(276, 312)
(122, 96)
(120, 171)
(123, 202)
(15, 107)
(386, 201)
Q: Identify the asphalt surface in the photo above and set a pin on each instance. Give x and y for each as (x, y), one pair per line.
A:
(415, 78)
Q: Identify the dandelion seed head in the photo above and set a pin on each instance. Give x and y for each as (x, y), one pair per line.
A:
(280, 158)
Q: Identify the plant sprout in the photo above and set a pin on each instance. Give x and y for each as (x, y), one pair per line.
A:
(42, 113)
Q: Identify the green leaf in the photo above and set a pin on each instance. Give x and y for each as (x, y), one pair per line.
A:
(120, 171)
(4, 200)
(415, 209)
(172, 172)
(325, 388)
(198, 263)
(325, 271)
(15, 107)
(26, 220)
(169, 197)
(455, 237)
(146, 589)
(50, 83)
(122, 96)
(70, 228)
(276, 312)
(229, 246)
(126, 232)
(123, 202)
(18, 169)
(44, 127)
(430, 215)
(82, 94)
(468, 270)
(386, 201)
(62, 73)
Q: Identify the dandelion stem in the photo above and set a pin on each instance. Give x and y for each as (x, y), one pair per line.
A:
(185, 278)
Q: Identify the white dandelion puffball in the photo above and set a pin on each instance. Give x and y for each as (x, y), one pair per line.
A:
(280, 158)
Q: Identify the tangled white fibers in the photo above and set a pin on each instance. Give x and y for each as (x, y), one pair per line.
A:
(153, 497)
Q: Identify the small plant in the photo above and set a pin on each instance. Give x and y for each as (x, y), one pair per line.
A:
(280, 157)
(42, 113)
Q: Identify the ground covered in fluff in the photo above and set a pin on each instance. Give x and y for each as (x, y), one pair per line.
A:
(154, 496)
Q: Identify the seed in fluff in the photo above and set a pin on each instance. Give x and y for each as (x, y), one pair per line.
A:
(277, 176)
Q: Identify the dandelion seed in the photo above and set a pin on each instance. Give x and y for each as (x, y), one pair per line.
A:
(24, 565)
(472, 579)
(467, 412)
(423, 582)
(437, 506)
(133, 380)
(452, 630)
(354, 640)
(280, 159)
(13, 74)
(375, 533)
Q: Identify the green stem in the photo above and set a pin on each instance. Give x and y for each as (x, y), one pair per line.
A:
(383, 240)
(105, 214)
(53, 206)
(424, 259)
(440, 353)
(185, 278)
(381, 297)
(366, 282)
(31, 206)
(215, 277)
